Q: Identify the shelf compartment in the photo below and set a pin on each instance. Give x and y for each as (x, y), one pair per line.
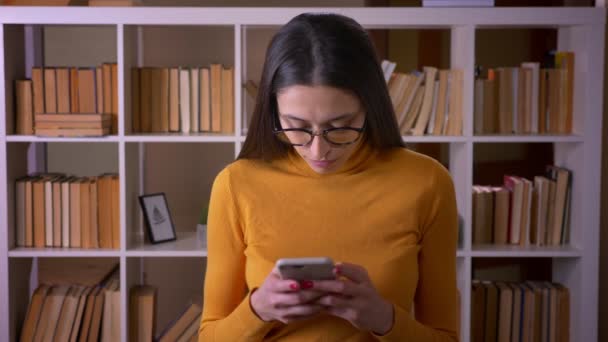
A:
(158, 168)
(57, 46)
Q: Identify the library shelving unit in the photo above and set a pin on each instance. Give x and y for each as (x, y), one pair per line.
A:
(160, 36)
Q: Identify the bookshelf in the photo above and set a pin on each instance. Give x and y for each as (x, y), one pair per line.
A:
(139, 35)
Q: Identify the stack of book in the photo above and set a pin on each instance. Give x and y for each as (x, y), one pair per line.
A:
(528, 99)
(529, 311)
(183, 99)
(73, 125)
(68, 101)
(427, 101)
(83, 310)
(58, 210)
(524, 212)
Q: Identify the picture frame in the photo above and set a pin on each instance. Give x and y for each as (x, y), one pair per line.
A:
(157, 217)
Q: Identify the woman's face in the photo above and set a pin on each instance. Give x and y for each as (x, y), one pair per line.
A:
(317, 108)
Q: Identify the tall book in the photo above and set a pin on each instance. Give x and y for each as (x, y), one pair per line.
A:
(205, 100)
(227, 99)
(427, 102)
(63, 90)
(194, 99)
(216, 97)
(164, 100)
(38, 90)
(184, 99)
(25, 108)
(50, 90)
(174, 99)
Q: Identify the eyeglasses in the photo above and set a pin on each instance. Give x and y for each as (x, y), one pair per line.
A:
(338, 136)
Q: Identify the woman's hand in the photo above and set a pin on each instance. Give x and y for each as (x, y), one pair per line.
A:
(353, 297)
(284, 300)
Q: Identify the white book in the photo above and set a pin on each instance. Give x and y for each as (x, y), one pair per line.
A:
(65, 213)
(431, 125)
(194, 100)
(48, 210)
(389, 71)
(184, 99)
(535, 66)
(384, 66)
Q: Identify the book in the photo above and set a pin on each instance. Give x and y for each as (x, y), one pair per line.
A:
(24, 123)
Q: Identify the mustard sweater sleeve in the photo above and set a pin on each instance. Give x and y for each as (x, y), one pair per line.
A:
(436, 301)
(227, 314)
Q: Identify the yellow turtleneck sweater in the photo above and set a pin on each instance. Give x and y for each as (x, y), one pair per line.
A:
(392, 212)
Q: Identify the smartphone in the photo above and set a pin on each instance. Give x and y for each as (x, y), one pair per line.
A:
(306, 268)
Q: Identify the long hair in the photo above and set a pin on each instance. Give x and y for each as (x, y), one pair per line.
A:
(321, 49)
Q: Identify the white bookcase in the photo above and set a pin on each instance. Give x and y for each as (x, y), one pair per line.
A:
(578, 29)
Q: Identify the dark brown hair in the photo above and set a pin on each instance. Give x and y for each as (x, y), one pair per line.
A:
(321, 49)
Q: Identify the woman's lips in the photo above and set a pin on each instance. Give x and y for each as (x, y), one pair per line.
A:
(321, 164)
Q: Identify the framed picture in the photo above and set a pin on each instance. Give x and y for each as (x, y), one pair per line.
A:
(157, 218)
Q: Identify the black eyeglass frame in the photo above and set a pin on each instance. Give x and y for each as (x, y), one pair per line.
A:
(323, 133)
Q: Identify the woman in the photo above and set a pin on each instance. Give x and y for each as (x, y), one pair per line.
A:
(324, 172)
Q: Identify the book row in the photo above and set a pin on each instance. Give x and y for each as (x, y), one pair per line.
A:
(58, 210)
(183, 99)
(68, 90)
(528, 99)
(427, 102)
(518, 312)
(524, 212)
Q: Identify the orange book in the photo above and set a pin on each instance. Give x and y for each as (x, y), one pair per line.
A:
(74, 103)
(25, 110)
(85, 214)
(114, 86)
(216, 97)
(75, 222)
(93, 205)
(38, 90)
(155, 99)
(50, 90)
(33, 313)
(227, 96)
(63, 90)
(115, 193)
(86, 91)
(205, 101)
(57, 212)
(174, 125)
(99, 89)
(39, 213)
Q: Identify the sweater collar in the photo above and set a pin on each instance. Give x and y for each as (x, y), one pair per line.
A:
(357, 162)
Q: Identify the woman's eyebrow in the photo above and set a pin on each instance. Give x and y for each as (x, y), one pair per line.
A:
(337, 118)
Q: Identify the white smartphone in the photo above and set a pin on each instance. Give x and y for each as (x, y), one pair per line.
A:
(306, 268)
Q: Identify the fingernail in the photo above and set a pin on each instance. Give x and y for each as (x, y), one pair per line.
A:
(307, 284)
(338, 269)
(293, 286)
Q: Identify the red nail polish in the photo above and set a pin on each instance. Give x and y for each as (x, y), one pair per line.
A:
(293, 286)
(338, 269)
(307, 284)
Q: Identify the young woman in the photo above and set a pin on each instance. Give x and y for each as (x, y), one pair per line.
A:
(324, 172)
